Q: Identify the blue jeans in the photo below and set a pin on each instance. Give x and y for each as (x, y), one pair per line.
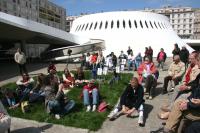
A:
(56, 107)
(137, 64)
(86, 97)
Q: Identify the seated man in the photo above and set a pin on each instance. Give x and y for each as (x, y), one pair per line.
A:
(148, 73)
(131, 101)
(55, 101)
(5, 119)
(188, 108)
(182, 91)
(80, 77)
(175, 73)
(90, 93)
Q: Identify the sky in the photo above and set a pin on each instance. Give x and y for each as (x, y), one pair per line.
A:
(76, 7)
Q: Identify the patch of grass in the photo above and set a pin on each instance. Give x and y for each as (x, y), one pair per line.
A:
(77, 117)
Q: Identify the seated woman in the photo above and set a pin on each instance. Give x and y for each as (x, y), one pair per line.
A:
(55, 101)
(148, 74)
(90, 94)
(25, 85)
(37, 93)
(68, 81)
(131, 102)
(80, 77)
(5, 120)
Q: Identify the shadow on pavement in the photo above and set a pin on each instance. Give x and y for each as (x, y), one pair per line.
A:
(33, 129)
(11, 69)
(147, 109)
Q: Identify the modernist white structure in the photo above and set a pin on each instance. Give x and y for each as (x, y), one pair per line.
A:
(129, 28)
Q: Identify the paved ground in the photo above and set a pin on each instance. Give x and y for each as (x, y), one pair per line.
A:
(120, 125)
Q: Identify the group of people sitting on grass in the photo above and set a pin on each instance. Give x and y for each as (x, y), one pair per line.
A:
(183, 83)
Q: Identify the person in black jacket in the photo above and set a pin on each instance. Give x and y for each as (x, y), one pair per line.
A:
(184, 55)
(176, 50)
(131, 102)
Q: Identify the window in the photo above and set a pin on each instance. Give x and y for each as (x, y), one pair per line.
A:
(129, 22)
(184, 20)
(178, 31)
(155, 24)
(100, 25)
(178, 26)
(83, 26)
(90, 26)
(172, 21)
(141, 24)
(146, 24)
(183, 31)
(178, 21)
(190, 31)
(135, 23)
(106, 25)
(183, 26)
(78, 27)
(159, 25)
(151, 24)
(190, 26)
(112, 24)
(95, 26)
(124, 24)
(117, 23)
(172, 15)
(86, 26)
(190, 20)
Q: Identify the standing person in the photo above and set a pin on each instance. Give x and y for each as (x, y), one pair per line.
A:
(122, 59)
(131, 61)
(83, 60)
(184, 56)
(87, 58)
(20, 59)
(129, 51)
(161, 57)
(100, 60)
(146, 54)
(176, 50)
(5, 120)
(150, 53)
(131, 101)
(114, 59)
(138, 60)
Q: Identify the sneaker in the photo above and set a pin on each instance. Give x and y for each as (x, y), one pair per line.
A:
(94, 107)
(150, 97)
(140, 121)
(88, 108)
(113, 113)
(57, 116)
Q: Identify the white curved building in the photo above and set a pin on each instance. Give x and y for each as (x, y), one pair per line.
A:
(129, 28)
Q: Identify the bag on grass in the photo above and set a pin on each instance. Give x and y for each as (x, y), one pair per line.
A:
(102, 106)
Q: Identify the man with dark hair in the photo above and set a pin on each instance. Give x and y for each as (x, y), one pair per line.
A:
(184, 55)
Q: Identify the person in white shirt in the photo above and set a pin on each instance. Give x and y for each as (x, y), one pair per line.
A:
(20, 59)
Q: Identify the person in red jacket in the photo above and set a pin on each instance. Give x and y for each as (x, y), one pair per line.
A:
(90, 93)
(148, 74)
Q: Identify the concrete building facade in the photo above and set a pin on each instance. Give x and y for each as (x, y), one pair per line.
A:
(196, 25)
(42, 11)
(181, 19)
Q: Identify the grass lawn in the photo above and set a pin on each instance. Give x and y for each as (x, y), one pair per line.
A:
(77, 117)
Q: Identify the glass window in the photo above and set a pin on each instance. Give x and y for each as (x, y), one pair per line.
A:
(146, 24)
(155, 24)
(124, 24)
(159, 25)
(141, 24)
(100, 25)
(79, 27)
(190, 31)
(86, 26)
(151, 24)
(95, 26)
(106, 25)
(135, 23)
(90, 26)
(83, 26)
(112, 24)
(117, 23)
(129, 22)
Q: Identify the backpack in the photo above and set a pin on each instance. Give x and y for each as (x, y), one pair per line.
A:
(102, 106)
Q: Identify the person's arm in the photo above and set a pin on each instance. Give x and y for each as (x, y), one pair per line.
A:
(19, 82)
(182, 71)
